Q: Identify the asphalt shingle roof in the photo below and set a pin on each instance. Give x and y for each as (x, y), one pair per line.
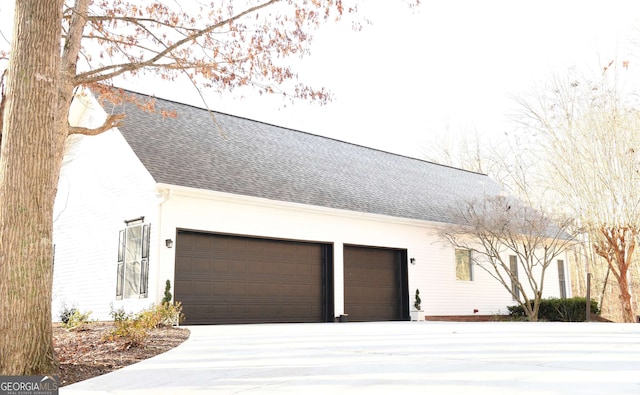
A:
(252, 158)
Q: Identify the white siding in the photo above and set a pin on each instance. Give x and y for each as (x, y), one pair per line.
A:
(102, 183)
(433, 272)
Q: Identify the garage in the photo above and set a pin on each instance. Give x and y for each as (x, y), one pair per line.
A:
(228, 279)
(375, 284)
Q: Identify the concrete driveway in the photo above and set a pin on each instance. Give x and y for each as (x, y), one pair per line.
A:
(389, 358)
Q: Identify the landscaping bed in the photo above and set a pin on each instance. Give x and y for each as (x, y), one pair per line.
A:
(85, 352)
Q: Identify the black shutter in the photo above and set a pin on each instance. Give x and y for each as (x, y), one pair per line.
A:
(513, 266)
(144, 266)
(562, 279)
(120, 270)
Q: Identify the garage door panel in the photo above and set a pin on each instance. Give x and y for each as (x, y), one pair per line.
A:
(304, 271)
(237, 267)
(216, 310)
(237, 289)
(313, 292)
(255, 290)
(219, 267)
(249, 280)
(187, 265)
(219, 289)
(287, 269)
(270, 269)
(201, 288)
(200, 265)
(373, 284)
(201, 243)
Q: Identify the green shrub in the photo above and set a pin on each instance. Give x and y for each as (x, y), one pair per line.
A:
(118, 315)
(163, 315)
(75, 319)
(127, 327)
(554, 309)
(170, 314)
(167, 293)
(417, 304)
(133, 329)
(66, 312)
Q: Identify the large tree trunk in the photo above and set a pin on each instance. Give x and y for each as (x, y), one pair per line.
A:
(29, 171)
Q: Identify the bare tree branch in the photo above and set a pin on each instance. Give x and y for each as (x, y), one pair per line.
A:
(589, 139)
(112, 121)
(105, 72)
(495, 228)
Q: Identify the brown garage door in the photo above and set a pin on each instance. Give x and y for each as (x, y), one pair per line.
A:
(222, 279)
(375, 284)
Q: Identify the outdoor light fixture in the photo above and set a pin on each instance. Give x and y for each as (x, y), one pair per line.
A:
(413, 261)
(169, 243)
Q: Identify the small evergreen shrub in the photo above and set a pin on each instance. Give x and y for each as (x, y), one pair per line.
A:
(554, 309)
(167, 293)
(418, 302)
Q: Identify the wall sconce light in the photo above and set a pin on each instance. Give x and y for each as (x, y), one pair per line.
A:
(169, 243)
(413, 261)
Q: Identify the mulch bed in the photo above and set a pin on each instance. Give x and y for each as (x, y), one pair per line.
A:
(83, 353)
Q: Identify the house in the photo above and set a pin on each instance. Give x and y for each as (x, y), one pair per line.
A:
(253, 222)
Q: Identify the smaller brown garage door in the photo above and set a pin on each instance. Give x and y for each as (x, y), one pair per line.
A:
(375, 284)
(223, 279)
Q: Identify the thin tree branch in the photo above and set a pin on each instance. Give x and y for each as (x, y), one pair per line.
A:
(96, 74)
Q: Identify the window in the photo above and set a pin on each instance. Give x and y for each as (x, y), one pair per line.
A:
(561, 279)
(463, 265)
(513, 267)
(133, 260)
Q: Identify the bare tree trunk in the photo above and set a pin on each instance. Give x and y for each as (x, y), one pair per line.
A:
(625, 299)
(617, 247)
(29, 173)
(623, 283)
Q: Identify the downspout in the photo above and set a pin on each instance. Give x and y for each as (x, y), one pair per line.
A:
(163, 196)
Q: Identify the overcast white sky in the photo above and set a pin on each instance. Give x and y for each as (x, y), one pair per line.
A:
(452, 65)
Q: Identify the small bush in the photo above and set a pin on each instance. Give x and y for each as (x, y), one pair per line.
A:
(119, 314)
(65, 313)
(127, 327)
(75, 319)
(170, 314)
(554, 309)
(133, 329)
(163, 315)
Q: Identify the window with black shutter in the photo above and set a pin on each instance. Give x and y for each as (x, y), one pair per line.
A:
(133, 260)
